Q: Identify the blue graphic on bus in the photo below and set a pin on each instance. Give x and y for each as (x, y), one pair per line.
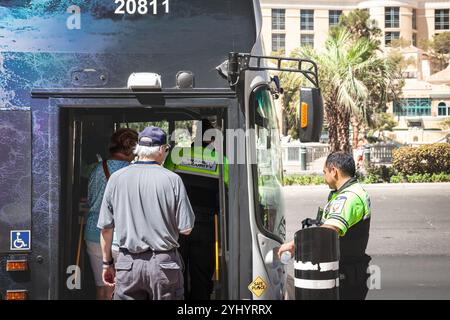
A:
(20, 240)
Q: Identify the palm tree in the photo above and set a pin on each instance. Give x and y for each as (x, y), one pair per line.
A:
(385, 84)
(349, 72)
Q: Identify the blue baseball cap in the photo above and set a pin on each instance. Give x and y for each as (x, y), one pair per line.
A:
(152, 137)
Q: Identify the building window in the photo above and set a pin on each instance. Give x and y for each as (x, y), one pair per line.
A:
(390, 36)
(293, 154)
(414, 39)
(392, 17)
(278, 19)
(307, 40)
(333, 17)
(413, 107)
(441, 19)
(414, 19)
(443, 110)
(278, 42)
(306, 19)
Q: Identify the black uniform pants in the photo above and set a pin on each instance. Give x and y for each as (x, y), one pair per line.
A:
(353, 281)
(197, 251)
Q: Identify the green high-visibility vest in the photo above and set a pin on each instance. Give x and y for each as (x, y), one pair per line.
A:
(202, 161)
(347, 206)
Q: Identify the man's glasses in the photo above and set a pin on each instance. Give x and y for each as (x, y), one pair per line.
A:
(166, 148)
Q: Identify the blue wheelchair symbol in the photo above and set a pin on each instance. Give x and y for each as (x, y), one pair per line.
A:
(20, 240)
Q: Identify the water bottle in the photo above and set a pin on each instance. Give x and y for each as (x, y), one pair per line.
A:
(285, 257)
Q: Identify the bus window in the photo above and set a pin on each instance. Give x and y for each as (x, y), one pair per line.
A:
(269, 209)
(139, 126)
(183, 133)
(182, 136)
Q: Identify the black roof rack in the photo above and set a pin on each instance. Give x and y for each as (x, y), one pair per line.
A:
(240, 62)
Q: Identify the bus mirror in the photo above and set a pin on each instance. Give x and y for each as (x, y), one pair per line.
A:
(310, 115)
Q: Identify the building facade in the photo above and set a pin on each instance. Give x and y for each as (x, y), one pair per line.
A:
(425, 101)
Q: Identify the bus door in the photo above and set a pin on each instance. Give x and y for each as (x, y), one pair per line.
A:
(85, 140)
(85, 134)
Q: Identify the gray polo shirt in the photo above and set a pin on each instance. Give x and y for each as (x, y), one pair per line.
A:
(148, 206)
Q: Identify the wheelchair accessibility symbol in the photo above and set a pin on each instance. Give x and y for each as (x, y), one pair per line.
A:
(20, 240)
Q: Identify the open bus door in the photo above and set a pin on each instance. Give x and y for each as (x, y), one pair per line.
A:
(82, 136)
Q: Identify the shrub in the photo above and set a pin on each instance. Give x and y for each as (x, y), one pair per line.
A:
(303, 180)
(446, 123)
(317, 180)
(441, 177)
(433, 158)
(417, 178)
(396, 179)
(371, 178)
(383, 173)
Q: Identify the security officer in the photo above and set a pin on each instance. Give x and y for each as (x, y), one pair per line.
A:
(199, 169)
(348, 213)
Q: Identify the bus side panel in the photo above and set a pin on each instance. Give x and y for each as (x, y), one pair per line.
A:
(240, 267)
(45, 199)
(106, 48)
(15, 192)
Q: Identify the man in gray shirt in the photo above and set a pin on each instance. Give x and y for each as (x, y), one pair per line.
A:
(148, 207)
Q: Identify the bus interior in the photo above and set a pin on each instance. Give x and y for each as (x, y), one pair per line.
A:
(84, 138)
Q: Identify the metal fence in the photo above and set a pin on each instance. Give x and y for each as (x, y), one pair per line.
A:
(381, 153)
(315, 152)
(298, 157)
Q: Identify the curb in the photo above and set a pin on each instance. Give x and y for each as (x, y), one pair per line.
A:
(378, 185)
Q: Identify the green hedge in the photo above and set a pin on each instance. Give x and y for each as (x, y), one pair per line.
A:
(377, 174)
(418, 177)
(433, 158)
(428, 163)
(370, 179)
(303, 180)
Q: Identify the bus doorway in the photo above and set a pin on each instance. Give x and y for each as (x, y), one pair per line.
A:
(84, 136)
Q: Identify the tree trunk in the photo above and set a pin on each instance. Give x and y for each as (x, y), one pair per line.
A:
(338, 127)
(356, 125)
(344, 131)
(332, 125)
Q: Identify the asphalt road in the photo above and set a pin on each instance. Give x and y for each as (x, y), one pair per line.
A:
(409, 237)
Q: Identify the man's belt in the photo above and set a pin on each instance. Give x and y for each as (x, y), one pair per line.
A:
(126, 251)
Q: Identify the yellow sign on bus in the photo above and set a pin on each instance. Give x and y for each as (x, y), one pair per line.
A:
(258, 287)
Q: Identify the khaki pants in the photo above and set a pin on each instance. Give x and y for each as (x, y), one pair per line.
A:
(149, 276)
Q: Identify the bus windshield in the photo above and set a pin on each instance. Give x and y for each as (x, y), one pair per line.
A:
(269, 207)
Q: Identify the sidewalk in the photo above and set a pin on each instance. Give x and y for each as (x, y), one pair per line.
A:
(431, 185)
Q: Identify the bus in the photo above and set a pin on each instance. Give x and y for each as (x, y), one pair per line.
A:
(72, 72)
